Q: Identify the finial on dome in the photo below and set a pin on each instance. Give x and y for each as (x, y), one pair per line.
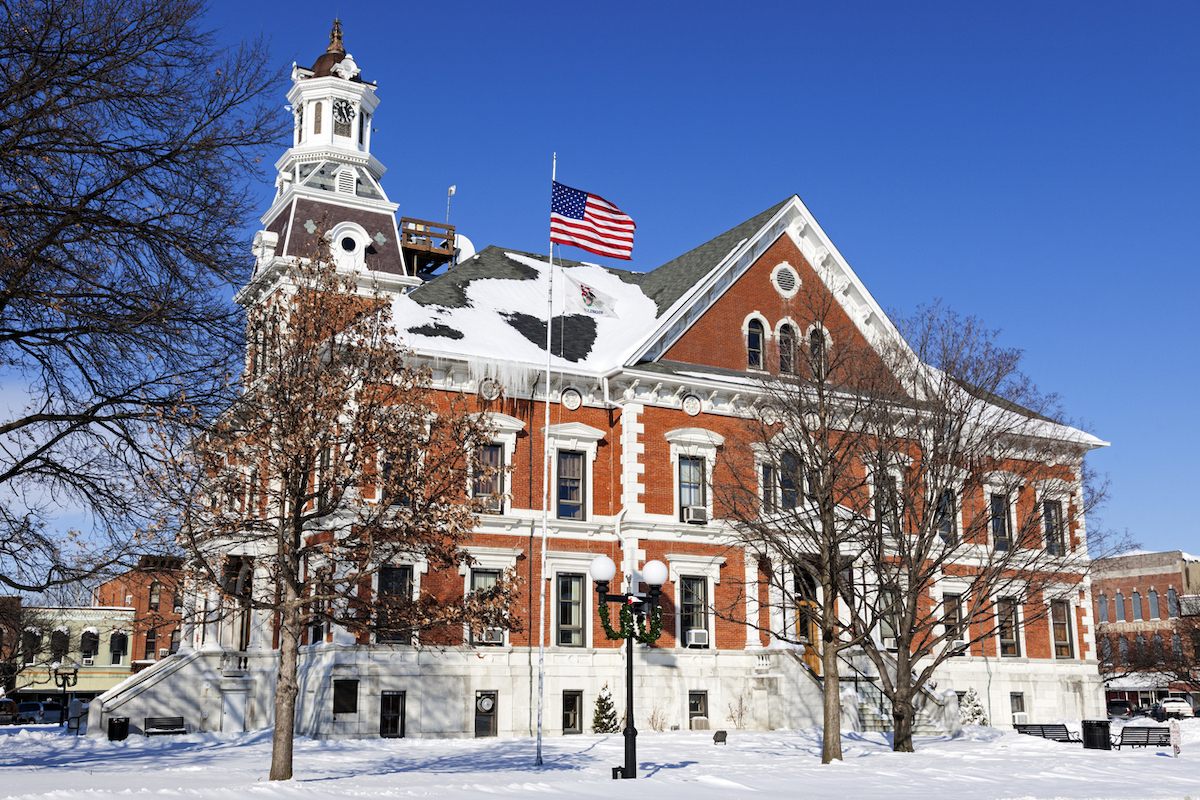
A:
(335, 38)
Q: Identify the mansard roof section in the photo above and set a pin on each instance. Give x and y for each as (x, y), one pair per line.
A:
(689, 285)
(492, 307)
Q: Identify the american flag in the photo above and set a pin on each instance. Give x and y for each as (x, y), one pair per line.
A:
(590, 222)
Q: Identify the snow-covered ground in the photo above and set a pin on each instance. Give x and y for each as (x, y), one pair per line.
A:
(38, 761)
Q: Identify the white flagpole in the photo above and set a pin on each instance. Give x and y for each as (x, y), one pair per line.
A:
(545, 488)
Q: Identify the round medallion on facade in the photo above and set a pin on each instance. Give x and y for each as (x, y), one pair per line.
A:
(571, 399)
(786, 280)
(691, 405)
(490, 388)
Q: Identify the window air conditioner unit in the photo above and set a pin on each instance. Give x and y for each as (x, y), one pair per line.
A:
(697, 637)
(695, 515)
(88, 661)
(1020, 718)
(163, 652)
(959, 645)
(493, 636)
(889, 644)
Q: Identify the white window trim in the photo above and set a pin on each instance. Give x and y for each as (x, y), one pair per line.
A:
(419, 567)
(798, 360)
(505, 431)
(692, 566)
(573, 437)
(1067, 595)
(1062, 491)
(896, 471)
(962, 590)
(694, 443)
(1018, 624)
(1007, 484)
(352, 230)
(767, 337)
(575, 564)
(498, 558)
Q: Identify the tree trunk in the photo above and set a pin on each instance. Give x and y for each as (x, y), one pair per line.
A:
(831, 747)
(902, 719)
(286, 689)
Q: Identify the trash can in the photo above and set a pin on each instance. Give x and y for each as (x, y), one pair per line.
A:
(1095, 735)
(118, 729)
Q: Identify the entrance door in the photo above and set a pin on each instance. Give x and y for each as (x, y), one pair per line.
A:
(485, 714)
(391, 715)
(233, 712)
(807, 631)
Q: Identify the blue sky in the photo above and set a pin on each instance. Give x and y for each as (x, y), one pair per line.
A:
(1033, 164)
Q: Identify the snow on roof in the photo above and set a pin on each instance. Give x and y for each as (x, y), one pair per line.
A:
(503, 317)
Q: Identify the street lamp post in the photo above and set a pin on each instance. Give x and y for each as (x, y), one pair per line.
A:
(64, 679)
(640, 621)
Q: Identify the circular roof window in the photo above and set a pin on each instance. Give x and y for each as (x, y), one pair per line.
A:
(348, 244)
(785, 280)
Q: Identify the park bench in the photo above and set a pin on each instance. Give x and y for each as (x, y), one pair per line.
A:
(163, 726)
(1057, 733)
(719, 737)
(1143, 736)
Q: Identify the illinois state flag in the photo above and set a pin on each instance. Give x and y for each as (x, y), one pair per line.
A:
(589, 300)
(590, 222)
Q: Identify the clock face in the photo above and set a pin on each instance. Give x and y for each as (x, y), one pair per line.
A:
(342, 111)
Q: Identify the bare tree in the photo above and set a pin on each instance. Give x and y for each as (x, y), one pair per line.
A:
(889, 470)
(793, 475)
(337, 462)
(977, 498)
(128, 145)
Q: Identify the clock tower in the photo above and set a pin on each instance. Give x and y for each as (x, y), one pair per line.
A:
(328, 181)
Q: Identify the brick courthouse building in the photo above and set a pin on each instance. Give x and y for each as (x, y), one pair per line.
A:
(641, 408)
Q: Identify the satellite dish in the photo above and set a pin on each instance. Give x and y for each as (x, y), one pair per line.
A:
(463, 249)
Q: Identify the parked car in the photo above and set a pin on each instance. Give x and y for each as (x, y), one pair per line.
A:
(1173, 708)
(1124, 709)
(8, 712)
(38, 713)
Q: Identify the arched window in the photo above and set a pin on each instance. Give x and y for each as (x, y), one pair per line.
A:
(1120, 607)
(816, 354)
(175, 634)
(1123, 649)
(89, 644)
(1176, 646)
(155, 595)
(118, 646)
(754, 344)
(1136, 599)
(317, 118)
(1154, 610)
(1106, 649)
(1172, 604)
(1102, 608)
(60, 640)
(787, 350)
(31, 645)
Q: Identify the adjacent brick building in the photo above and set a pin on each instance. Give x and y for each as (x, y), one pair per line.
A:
(1148, 625)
